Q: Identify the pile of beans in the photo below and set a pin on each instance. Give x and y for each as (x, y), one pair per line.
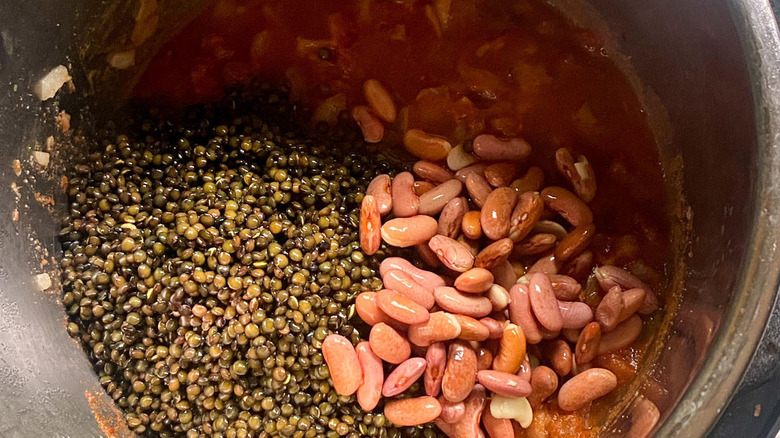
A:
(503, 324)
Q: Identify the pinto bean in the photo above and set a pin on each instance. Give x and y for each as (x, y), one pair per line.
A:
(451, 217)
(609, 309)
(575, 314)
(405, 202)
(588, 343)
(471, 226)
(586, 387)
(403, 283)
(544, 382)
(497, 427)
(422, 187)
(432, 172)
(575, 242)
(543, 302)
(501, 174)
(409, 231)
(471, 329)
(520, 313)
(497, 211)
(388, 344)
(412, 411)
(507, 384)
(494, 253)
(441, 326)
(459, 159)
(568, 205)
(498, 296)
(436, 358)
(451, 253)
(478, 188)
(532, 181)
(623, 336)
(401, 308)
(559, 354)
(489, 147)
(504, 274)
(403, 376)
(433, 202)
(526, 213)
(535, 244)
(426, 146)
(370, 224)
(475, 280)
(343, 364)
(379, 188)
(511, 350)
(379, 100)
(450, 299)
(370, 390)
(426, 278)
(460, 374)
(468, 426)
(372, 128)
(484, 359)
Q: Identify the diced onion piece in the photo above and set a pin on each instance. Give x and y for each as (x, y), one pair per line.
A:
(42, 158)
(458, 158)
(42, 281)
(48, 85)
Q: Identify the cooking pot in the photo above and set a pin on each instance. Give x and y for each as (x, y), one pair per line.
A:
(710, 67)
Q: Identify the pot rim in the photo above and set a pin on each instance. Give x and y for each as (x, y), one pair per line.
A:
(709, 393)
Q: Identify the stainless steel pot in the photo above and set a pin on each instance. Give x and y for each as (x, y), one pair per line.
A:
(713, 65)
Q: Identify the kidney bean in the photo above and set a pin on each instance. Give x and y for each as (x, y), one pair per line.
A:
(489, 147)
(370, 224)
(580, 266)
(622, 336)
(520, 313)
(379, 188)
(497, 427)
(422, 187)
(436, 358)
(451, 253)
(517, 408)
(546, 226)
(409, 231)
(504, 274)
(494, 253)
(484, 359)
(432, 172)
(609, 309)
(586, 387)
(497, 211)
(532, 181)
(369, 311)
(412, 411)
(632, 302)
(477, 168)
(575, 314)
(403, 376)
(567, 204)
(471, 329)
(580, 173)
(565, 287)
(426, 146)
(478, 188)
(441, 326)
(525, 370)
(570, 335)
(579, 368)
(459, 159)
(548, 334)
(501, 174)
(426, 278)
(534, 244)
(544, 382)
(560, 356)
(468, 426)
(621, 367)
(403, 283)
(475, 280)
(433, 202)
(575, 242)
(525, 215)
(372, 128)
(511, 350)
(405, 202)
(470, 226)
(343, 364)
(546, 264)
(370, 390)
(460, 373)
(427, 256)
(451, 217)
(609, 276)
(644, 416)
(401, 308)
(379, 100)
(503, 383)
(388, 344)
(451, 412)
(588, 343)
(498, 296)
(495, 328)
(543, 302)
(451, 300)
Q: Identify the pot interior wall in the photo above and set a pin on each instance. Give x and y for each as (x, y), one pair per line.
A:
(688, 55)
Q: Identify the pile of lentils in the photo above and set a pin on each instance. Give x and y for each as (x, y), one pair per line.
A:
(206, 258)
